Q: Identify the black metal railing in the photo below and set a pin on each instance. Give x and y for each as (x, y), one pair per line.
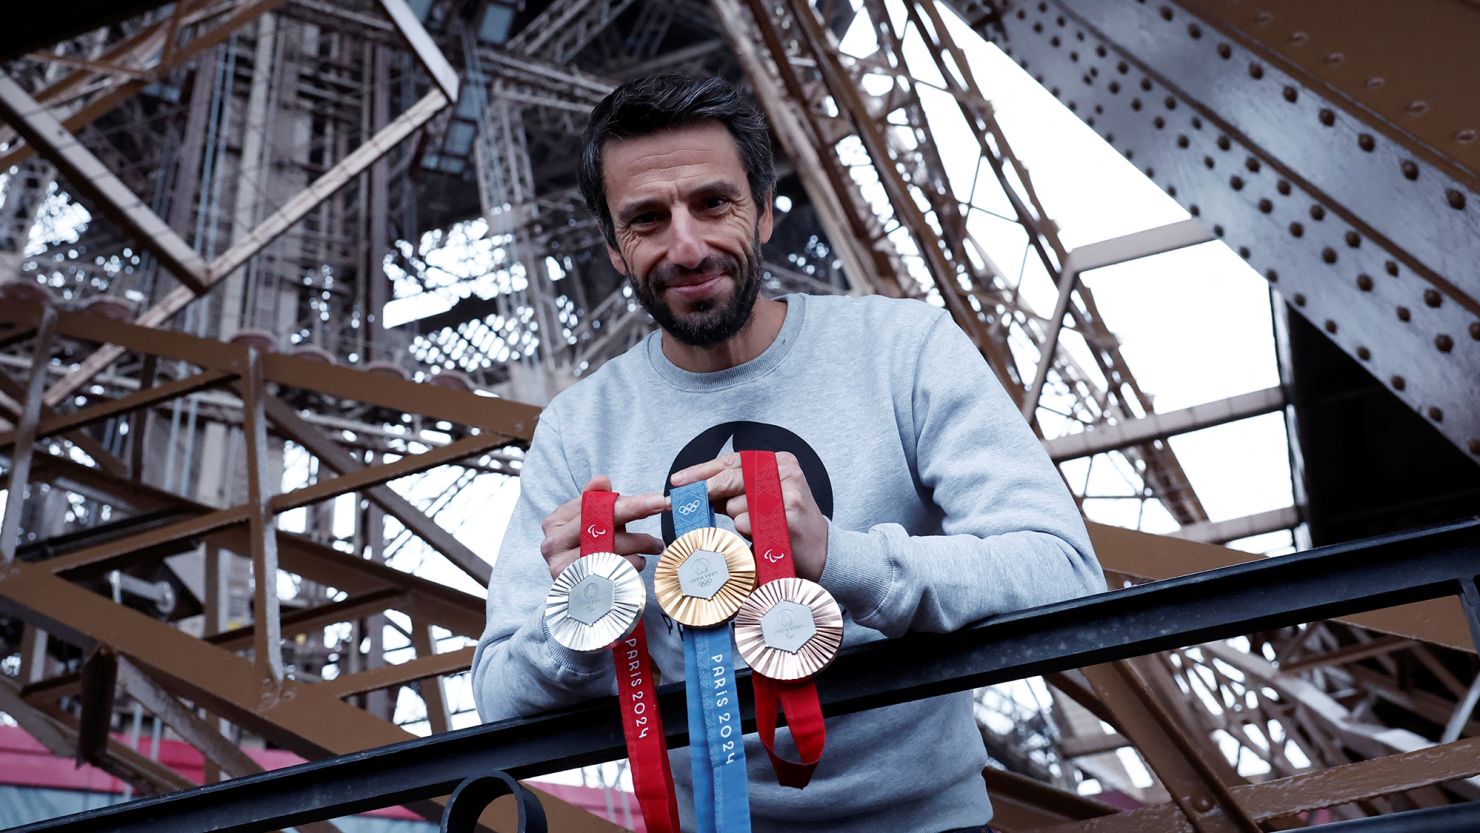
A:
(1233, 601)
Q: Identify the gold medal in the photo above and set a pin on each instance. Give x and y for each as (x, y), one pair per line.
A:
(704, 577)
(789, 629)
(595, 602)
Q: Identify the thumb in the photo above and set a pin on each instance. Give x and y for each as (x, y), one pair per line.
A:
(599, 483)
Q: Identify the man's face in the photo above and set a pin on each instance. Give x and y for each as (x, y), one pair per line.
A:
(688, 233)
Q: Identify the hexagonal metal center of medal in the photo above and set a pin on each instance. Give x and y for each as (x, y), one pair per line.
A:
(702, 574)
(590, 599)
(787, 626)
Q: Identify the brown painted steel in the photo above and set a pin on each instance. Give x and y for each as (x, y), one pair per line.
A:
(20, 465)
(1144, 556)
(1197, 779)
(388, 676)
(298, 716)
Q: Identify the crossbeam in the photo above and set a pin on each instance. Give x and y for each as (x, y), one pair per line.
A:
(1220, 604)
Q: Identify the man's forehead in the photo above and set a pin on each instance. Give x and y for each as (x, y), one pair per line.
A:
(702, 151)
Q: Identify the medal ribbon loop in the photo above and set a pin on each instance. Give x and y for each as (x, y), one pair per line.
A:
(637, 691)
(716, 745)
(771, 540)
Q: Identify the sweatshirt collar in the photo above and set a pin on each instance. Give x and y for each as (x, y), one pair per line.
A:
(767, 361)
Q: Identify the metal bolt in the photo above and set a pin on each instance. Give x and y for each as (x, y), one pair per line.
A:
(1364, 283)
(1455, 197)
(1299, 299)
(1366, 142)
(1375, 82)
(1436, 414)
(1410, 169)
(1363, 353)
(1432, 297)
(1291, 94)
(1391, 267)
(1399, 383)
(1417, 106)
(1465, 136)
(1404, 314)
(1444, 343)
(1475, 446)
(1335, 58)
(1475, 330)
(1330, 326)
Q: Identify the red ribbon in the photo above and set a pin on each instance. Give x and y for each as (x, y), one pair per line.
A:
(771, 540)
(637, 690)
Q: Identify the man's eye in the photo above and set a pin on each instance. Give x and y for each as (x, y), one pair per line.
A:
(646, 219)
(716, 202)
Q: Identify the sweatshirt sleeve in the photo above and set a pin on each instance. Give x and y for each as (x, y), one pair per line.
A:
(1013, 537)
(518, 670)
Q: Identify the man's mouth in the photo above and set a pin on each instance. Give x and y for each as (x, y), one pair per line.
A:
(694, 287)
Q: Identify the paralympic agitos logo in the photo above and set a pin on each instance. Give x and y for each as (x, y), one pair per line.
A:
(753, 436)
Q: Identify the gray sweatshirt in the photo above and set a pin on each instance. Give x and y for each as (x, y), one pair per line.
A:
(943, 509)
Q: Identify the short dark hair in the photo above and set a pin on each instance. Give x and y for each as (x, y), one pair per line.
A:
(663, 102)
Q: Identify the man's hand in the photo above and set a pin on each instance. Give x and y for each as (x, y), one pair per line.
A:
(562, 544)
(807, 524)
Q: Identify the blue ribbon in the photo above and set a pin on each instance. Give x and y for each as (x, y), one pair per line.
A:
(716, 747)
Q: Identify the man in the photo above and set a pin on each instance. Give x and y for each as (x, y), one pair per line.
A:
(914, 491)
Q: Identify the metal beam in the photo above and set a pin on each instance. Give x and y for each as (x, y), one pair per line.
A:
(90, 177)
(1149, 557)
(290, 424)
(351, 166)
(1221, 532)
(1097, 256)
(1158, 426)
(1233, 601)
(18, 482)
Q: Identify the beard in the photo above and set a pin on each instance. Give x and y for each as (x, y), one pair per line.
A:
(710, 323)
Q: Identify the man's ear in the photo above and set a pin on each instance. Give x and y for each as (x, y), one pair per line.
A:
(766, 221)
(619, 263)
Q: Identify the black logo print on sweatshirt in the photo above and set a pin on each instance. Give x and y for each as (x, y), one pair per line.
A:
(751, 436)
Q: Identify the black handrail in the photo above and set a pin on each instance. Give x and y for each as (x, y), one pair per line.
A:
(1219, 604)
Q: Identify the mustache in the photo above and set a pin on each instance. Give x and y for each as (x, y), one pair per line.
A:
(669, 274)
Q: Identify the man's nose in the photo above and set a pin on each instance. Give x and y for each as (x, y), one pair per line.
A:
(687, 247)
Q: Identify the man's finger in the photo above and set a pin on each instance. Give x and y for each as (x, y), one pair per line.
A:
(637, 507)
(742, 525)
(706, 470)
(726, 484)
(737, 506)
(571, 509)
(561, 560)
(632, 543)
